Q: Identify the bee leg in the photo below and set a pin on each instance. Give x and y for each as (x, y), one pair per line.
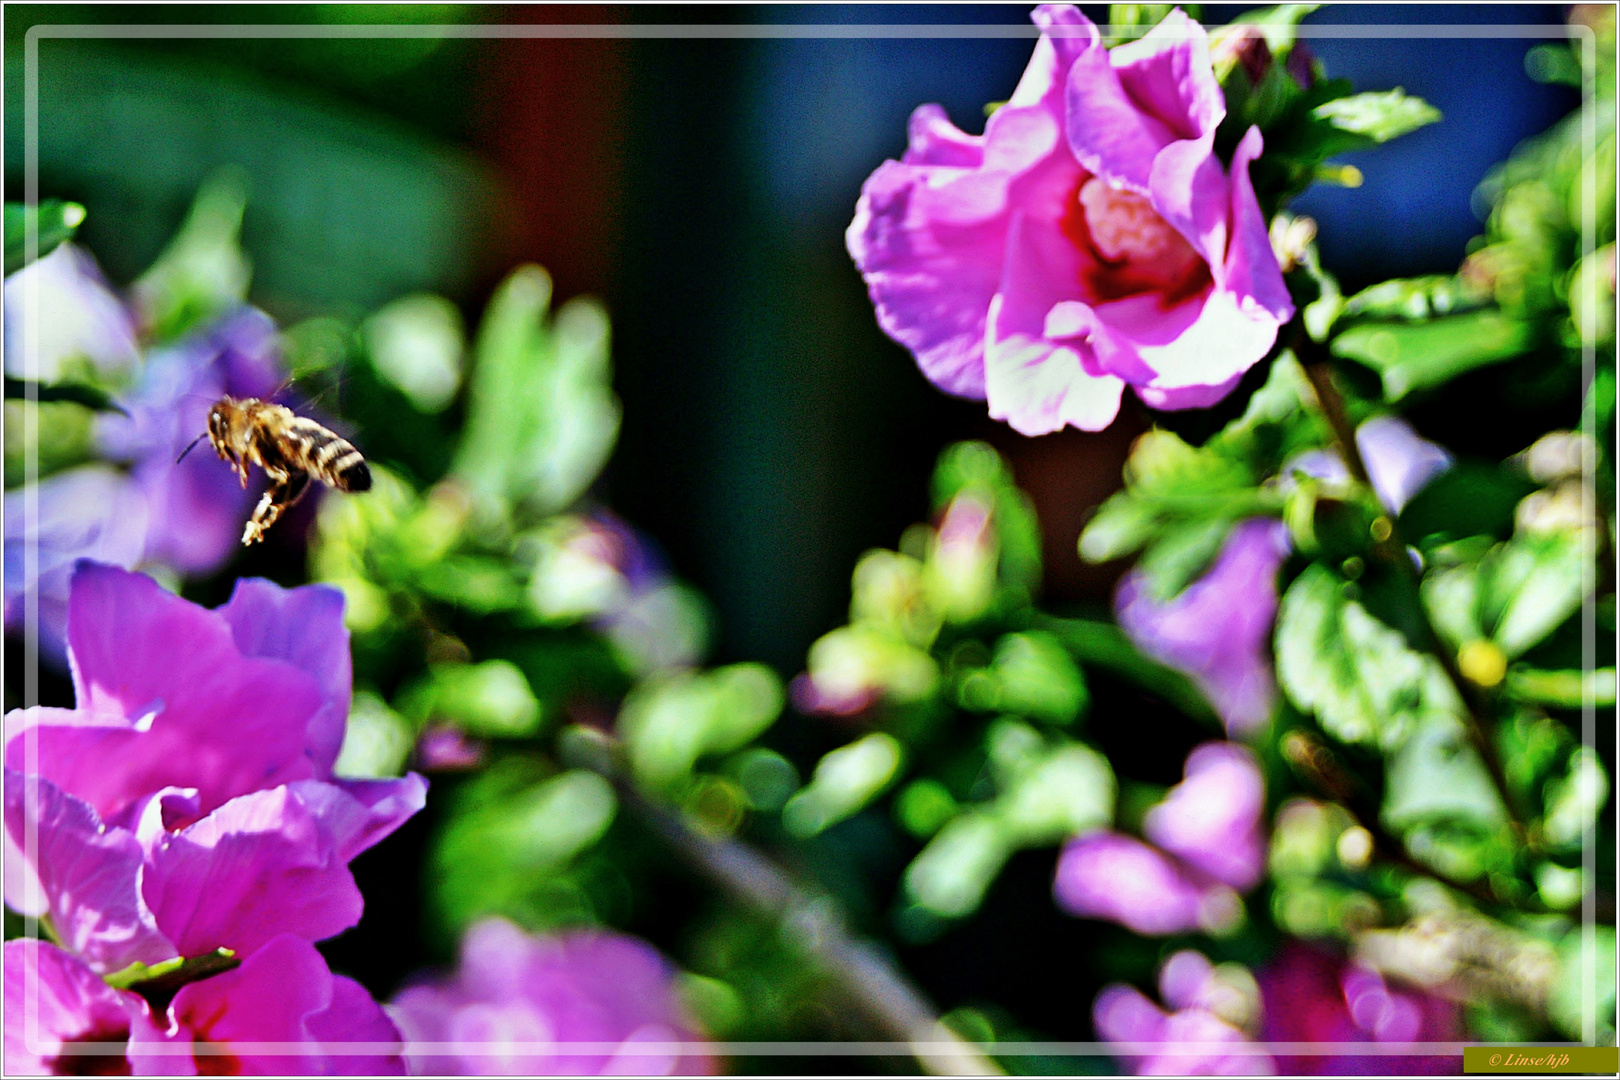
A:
(281, 495)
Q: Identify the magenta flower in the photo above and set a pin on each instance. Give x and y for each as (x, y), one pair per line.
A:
(1197, 1040)
(518, 1002)
(1089, 239)
(1209, 849)
(1312, 996)
(282, 1011)
(1218, 630)
(187, 803)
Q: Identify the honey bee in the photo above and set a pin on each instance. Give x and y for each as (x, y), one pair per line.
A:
(291, 449)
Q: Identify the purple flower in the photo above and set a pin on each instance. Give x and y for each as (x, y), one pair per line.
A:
(1218, 630)
(1203, 1009)
(282, 993)
(1399, 461)
(1310, 995)
(1210, 848)
(195, 507)
(187, 802)
(91, 512)
(187, 515)
(1090, 239)
(79, 320)
(517, 1001)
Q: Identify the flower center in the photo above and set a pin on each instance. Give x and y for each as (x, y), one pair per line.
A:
(1124, 226)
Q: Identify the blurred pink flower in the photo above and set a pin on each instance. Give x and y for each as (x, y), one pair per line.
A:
(1310, 995)
(517, 1002)
(1218, 630)
(1210, 849)
(1196, 1040)
(187, 803)
(1090, 239)
(282, 993)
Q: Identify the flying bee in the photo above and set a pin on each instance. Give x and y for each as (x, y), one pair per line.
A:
(291, 449)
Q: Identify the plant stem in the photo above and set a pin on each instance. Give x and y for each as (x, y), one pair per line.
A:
(1318, 766)
(816, 925)
(1391, 550)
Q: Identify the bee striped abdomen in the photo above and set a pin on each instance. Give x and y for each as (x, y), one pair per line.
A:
(327, 456)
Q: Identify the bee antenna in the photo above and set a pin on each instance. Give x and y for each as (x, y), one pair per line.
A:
(187, 450)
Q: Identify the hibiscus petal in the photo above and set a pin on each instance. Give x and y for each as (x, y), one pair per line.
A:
(1212, 818)
(1218, 630)
(1252, 273)
(90, 512)
(201, 715)
(53, 1000)
(89, 875)
(933, 140)
(1036, 384)
(1109, 133)
(304, 627)
(929, 247)
(1189, 189)
(359, 813)
(284, 993)
(259, 866)
(1167, 72)
(1194, 363)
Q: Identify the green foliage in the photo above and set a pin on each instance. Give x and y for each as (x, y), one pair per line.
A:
(541, 418)
(844, 782)
(510, 840)
(1409, 357)
(1180, 501)
(1513, 594)
(1359, 677)
(1377, 117)
(670, 722)
(55, 221)
(203, 270)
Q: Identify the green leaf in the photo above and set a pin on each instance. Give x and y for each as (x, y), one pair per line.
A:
(1584, 988)
(1437, 775)
(1065, 793)
(668, 723)
(845, 781)
(56, 221)
(90, 396)
(1360, 678)
(1468, 499)
(1105, 646)
(1562, 689)
(416, 344)
(1531, 585)
(541, 415)
(203, 270)
(950, 876)
(491, 699)
(1127, 22)
(1031, 675)
(1413, 298)
(1379, 116)
(1420, 356)
(376, 742)
(509, 839)
(1181, 553)
(1573, 800)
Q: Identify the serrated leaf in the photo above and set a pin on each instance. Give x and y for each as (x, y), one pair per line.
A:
(1418, 356)
(1360, 678)
(56, 221)
(1380, 115)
